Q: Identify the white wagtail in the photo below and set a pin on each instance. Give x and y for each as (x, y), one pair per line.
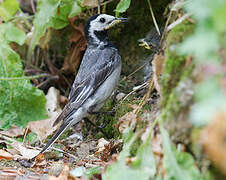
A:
(97, 77)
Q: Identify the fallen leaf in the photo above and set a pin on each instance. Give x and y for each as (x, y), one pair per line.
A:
(101, 144)
(90, 3)
(74, 55)
(78, 172)
(39, 161)
(24, 151)
(64, 175)
(56, 168)
(53, 102)
(213, 141)
(44, 128)
(5, 155)
(157, 65)
(14, 131)
(128, 120)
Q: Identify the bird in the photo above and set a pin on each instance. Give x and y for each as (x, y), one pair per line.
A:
(97, 77)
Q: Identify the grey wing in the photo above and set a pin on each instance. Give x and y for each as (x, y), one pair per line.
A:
(83, 89)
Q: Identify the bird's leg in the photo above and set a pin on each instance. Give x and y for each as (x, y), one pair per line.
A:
(99, 127)
(102, 112)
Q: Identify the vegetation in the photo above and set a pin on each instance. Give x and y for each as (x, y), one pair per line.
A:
(169, 121)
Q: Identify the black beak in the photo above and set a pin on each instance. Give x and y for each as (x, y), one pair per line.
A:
(122, 19)
(116, 21)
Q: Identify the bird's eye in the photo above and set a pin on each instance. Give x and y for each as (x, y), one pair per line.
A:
(102, 20)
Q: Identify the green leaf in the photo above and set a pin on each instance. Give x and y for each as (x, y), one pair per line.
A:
(122, 6)
(20, 101)
(75, 10)
(204, 108)
(178, 165)
(12, 34)
(46, 11)
(8, 8)
(142, 169)
(145, 159)
(90, 172)
(52, 13)
(61, 18)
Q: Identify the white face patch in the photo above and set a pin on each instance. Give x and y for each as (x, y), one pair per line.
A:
(99, 24)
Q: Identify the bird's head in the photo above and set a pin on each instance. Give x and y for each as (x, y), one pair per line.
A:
(97, 26)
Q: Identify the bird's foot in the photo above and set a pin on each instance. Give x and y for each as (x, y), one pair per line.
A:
(102, 112)
(100, 127)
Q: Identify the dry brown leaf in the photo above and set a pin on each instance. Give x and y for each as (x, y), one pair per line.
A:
(5, 155)
(74, 55)
(14, 131)
(44, 128)
(128, 120)
(90, 3)
(64, 175)
(53, 102)
(102, 143)
(24, 151)
(156, 145)
(213, 141)
(157, 65)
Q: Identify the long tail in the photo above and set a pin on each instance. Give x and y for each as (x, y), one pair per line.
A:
(61, 129)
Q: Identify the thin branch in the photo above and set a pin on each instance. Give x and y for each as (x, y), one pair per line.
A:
(98, 6)
(24, 77)
(33, 6)
(146, 96)
(153, 17)
(133, 91)
(178, 21)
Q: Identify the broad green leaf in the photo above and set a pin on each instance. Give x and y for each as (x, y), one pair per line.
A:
(145, 159)
(219, 16)
(90, 172)
(66, 10)
(12, 34)
(143, 169)
(20, 101)
(122, 6)
(204, 108)
(61, 18)
(52, 13)
(178, 165)
(46, 10)
(8, 8)
(75, 10)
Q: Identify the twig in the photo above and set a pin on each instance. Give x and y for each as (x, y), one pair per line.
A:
(33, 6)
(98, 7)
(139, 68)
(133, 91)
(7, 138)
(165, 28)
(25, 135)
(25, 20)
(106, 2)
(178, 21)
(47, 81)
(59, 150)
(153, 17)
(146, 96)
(24, 77)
